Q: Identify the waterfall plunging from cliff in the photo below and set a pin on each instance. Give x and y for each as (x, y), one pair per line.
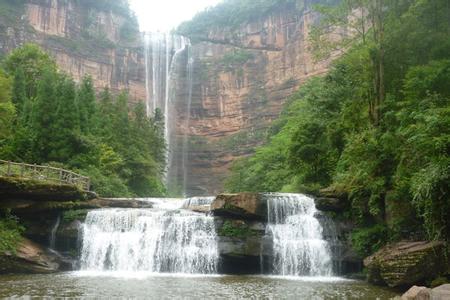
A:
(52, 239)
(161, 240)
(167, 59)
(298, 245)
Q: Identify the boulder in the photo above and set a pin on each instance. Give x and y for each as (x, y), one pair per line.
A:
(333, 192)
(406, 263)
(441, 292)
(31, 258)
(417, 293)
(423, 293)
(249, 206)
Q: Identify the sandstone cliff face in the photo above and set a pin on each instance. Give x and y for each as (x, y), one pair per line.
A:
(242, 79)
(84, 37)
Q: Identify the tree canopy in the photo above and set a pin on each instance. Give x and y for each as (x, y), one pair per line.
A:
(375, 128)
(59, 122)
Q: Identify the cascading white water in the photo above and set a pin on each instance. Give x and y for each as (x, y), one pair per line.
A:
(298, 245)
(162, 54)
(52, 239)
(190, 75)
(149, 240)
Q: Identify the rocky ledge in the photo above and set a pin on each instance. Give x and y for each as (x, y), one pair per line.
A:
(407, 263)
(32, 258)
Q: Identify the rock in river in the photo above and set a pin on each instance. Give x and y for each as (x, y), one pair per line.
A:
(406, 263)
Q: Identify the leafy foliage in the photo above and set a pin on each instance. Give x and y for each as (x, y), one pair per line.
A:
(368, 133)
(368, 240)
(61, 123)
(10, 233)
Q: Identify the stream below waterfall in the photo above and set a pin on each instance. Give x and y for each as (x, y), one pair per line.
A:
(99, 285)
(171, 252)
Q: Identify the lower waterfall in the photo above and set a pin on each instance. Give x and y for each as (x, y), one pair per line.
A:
(170, 238)
(298, 245)
(149, 240)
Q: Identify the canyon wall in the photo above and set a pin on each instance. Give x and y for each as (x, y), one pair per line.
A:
(86, 37)
(242, 78)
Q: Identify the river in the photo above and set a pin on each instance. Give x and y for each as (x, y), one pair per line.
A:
(160, 286)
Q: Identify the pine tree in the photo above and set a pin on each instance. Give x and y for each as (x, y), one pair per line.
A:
(87, 105)
(19, 93)
(43, 116)
(66, 122)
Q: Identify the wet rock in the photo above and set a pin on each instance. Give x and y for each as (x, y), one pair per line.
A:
(332, 192)
(32, 258)
(250, 206)
(330, 204)
(406, 263)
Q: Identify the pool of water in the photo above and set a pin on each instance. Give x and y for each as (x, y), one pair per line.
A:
(160, 286)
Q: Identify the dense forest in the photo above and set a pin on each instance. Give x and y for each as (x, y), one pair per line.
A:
(232, 13)
(49, 119)
(376, 128)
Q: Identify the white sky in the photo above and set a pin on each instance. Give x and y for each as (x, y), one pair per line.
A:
(164, 15)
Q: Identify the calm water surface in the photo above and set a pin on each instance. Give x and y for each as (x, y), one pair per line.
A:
(135, 285)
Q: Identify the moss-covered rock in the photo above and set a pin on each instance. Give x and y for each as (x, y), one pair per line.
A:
(21, 188)
(237, 229)
(407, 263)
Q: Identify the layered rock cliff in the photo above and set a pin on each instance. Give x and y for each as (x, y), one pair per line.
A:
(242, 78)
(242, 75)
(97, 38)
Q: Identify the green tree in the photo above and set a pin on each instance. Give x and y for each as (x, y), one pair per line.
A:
(43, 116)
(7, 110)
(33, 61)
(66, 123)
(87, 107)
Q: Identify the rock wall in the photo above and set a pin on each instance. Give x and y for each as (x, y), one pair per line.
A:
(85, 38)
(242, 78)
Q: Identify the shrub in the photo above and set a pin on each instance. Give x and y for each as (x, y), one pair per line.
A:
(368, 240)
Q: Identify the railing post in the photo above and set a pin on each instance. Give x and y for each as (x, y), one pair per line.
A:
(9, 168)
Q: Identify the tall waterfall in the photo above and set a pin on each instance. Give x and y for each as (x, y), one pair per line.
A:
(149, 240)
(168, 65)
(298, 245)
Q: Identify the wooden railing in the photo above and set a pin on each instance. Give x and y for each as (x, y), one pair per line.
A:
(44, 173)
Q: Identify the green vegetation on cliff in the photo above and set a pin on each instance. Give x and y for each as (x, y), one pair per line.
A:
(10, 233)
(376, 128)
(47, 118)
(236, 229)
(232, 13)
